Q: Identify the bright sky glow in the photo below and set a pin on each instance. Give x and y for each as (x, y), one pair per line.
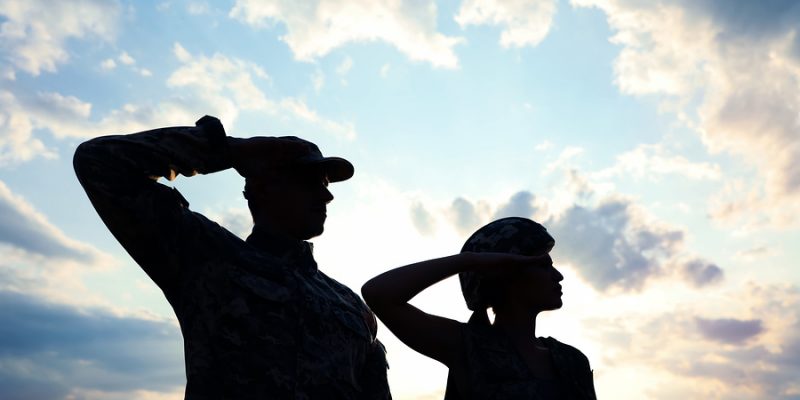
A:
(658, 141)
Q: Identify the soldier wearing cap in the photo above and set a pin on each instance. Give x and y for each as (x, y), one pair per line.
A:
(505, 266)
(259, 319)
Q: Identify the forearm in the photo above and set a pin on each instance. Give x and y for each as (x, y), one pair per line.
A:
(150, 220)
(163, 152)
(400, 285)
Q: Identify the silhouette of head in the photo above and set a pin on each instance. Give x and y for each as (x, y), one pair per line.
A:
(534, 287)
(292, 198)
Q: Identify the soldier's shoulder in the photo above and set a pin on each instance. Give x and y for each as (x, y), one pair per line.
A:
(566, 351)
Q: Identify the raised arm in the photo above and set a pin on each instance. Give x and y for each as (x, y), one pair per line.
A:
(388, 295)
(150, 220)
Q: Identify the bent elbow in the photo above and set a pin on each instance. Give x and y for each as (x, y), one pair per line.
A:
(81, 157)
(368, 293)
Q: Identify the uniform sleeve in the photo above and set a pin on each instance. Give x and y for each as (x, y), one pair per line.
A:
(152, 221)
(588, 381)
(374, 380)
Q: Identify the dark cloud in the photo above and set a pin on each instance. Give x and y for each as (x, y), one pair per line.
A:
(610, 247)
(464, 215)
(763, 19)
(610, 244)
(701, 273)
(22, 227)
(729, 330)
(750, 364)
(520, 205)
(47, 350)
(422, 219)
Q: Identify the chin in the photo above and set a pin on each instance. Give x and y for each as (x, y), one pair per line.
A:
(313, 232)
(556, 305)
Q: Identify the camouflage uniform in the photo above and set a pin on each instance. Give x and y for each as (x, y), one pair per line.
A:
(491, 367)
(259, 320)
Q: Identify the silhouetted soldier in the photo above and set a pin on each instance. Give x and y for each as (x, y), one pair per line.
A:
(259, 320)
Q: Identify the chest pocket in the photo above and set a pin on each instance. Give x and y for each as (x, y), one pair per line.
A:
(327, 298)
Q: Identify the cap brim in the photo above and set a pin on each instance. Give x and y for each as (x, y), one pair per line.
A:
(336, 168)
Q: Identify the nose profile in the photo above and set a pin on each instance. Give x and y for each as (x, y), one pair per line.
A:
(559, 277)
(327, 195)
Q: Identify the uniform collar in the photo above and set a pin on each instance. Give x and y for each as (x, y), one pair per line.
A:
(299, 252)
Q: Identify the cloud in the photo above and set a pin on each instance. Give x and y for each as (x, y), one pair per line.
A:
(216, 85)
(612, 242)
(38, 258)
(126, 58)
(299, 109)
(314, 29)
(520, 205)
(653, 161)
(525, 23)
(701, 273)
(695, 352)
(318, 79)
(219, 76)
(108, 64)
(564, 159)
(50, 351)
(237, 220)
(345, 66)
(220, 79)
(198, 8)
(730, 71)
(423, 221)
(25, 228)
(755, 252)
(17, 143)
(729, 330)
(34, 33)
(464, 215)
(614, 245)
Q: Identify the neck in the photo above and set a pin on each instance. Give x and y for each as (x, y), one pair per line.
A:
(518, 326)
(273, 230)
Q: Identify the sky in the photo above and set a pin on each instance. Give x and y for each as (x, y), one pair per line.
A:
(656, 140)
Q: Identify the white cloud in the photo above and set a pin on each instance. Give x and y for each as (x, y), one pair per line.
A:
(345, 66)
(318, 79)
(423, 221)
(216, 85)
(108, 64)
(220, 77)
(17, 143)
(564, 159)
(145, 72)
(343, 69)
(385, 70)
(316, 28)
(126, 58)
(653, 160)
(236, 220)
(543, 146)
(299, 109)
(34, 33)
(525, 23)
(198, 8)
(732, 72)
